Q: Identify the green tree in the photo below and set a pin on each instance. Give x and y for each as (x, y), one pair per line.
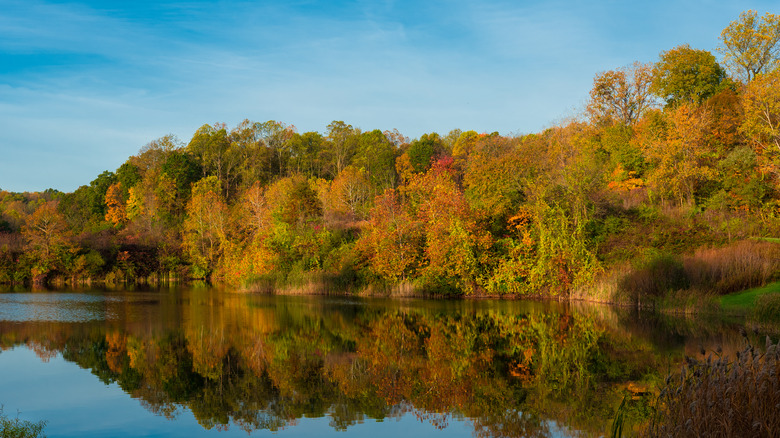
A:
(212, 147)
(689, 75)
(342, 139)
(376, 155)
(253, 153)
(750, 44)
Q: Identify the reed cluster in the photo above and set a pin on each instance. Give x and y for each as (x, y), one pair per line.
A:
(733, 268)
(711, 271)
(720, 397)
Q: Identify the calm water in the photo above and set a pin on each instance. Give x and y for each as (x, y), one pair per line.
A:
(192, 362)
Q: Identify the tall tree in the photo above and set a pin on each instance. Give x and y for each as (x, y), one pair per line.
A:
(621, 95)
(205, 227)
(750, 44)
(684, 74)
(342, 143)
(761, 103)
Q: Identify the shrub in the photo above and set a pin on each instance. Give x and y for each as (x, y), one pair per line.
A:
(16, 428)
(655, 277)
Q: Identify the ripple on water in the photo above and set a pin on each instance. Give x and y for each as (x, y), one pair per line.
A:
(61, 307)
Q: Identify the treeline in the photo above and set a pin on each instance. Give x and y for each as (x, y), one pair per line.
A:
(669, 156)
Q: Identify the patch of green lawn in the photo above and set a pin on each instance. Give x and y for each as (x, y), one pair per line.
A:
(769, 239)
(745, 300)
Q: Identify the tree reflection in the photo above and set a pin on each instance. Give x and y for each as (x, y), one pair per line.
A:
(263, 365)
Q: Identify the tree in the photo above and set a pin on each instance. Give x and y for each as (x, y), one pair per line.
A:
(376, 154)
(680, 154)
(206, 225)
(307, 155)
(750, 44)
(684, 74)
(761, 103)
(420, 155)
(393, 240)
(212, 146)
(115, 205)
(454, 245)
(342, 142)
(622, 95)
(253, 154)
(46, 237)
(350, 192)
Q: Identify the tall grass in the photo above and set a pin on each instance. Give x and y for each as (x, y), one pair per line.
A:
(733, 268)
(707, 272)
(721, 397)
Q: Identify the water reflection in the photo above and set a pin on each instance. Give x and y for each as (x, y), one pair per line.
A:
(513, 369)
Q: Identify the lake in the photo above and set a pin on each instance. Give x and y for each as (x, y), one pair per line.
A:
(202, 361)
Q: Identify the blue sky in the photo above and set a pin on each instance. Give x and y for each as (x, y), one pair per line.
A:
(84, 85)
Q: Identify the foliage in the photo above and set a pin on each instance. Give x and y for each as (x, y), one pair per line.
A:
(761, 123)
(468, 213)
(621, 96)
(17, 428)
(750, 44)
(686, 75)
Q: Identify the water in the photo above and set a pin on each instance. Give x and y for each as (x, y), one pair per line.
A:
(209, 362)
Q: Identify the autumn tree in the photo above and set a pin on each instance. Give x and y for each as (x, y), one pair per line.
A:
(622, 95)
(350, 192)
(205, 227)
(454, 245)
(46, 235)
(750, 44)
(115, 204)
(680, 153)
(688, 75)
(493, 177)
(392, 241)
(761, 104)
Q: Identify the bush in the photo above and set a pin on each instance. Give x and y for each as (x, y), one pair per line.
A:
(660, 274)
(16, 428)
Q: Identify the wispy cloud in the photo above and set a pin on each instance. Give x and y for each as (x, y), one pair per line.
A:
(84, 85)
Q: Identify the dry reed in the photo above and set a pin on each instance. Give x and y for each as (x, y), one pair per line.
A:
(733, 268)
(718, 397)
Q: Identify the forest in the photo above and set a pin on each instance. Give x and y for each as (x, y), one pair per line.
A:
(667, 184)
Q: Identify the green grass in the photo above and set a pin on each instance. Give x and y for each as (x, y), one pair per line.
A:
(746, 300)
(768, 239)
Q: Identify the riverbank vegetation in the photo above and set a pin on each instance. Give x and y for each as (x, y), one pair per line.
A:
(657, 192)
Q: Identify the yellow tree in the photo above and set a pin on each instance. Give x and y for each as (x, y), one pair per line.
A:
(750, 44)
(205, 226)
(349, 193)
(761, 124)
(115, 206)
(622, 95)
(679, 152)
